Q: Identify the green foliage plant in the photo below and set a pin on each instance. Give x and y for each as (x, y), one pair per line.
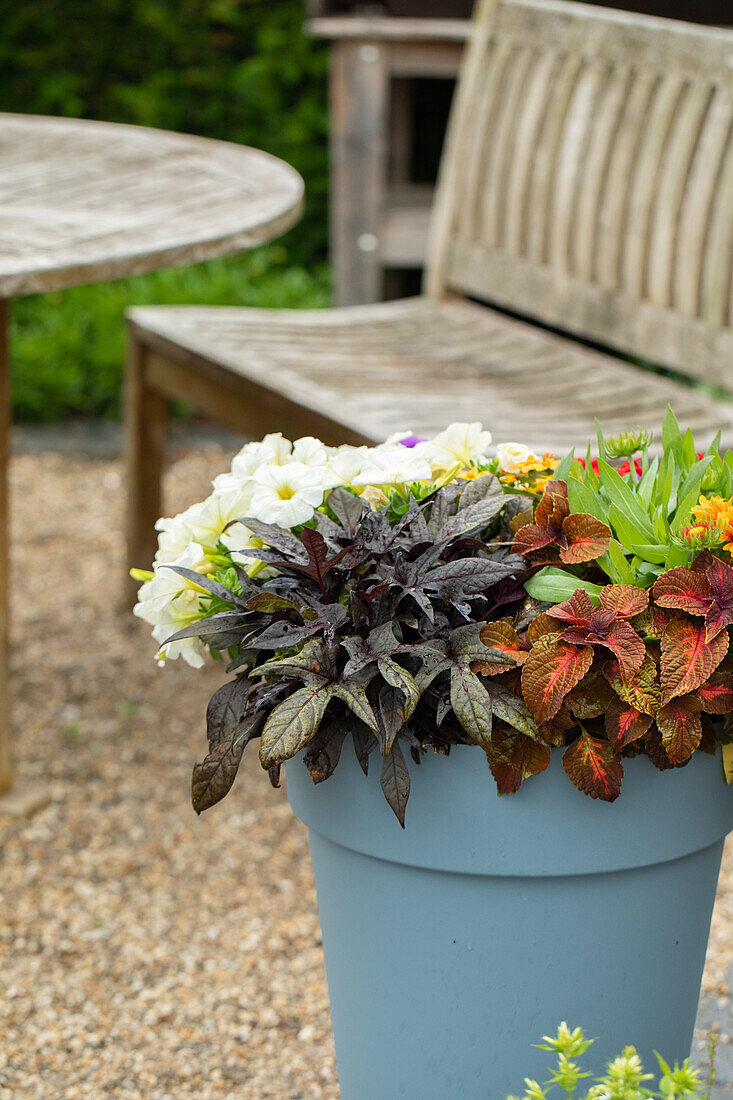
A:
(624, 1078)
(646, 503)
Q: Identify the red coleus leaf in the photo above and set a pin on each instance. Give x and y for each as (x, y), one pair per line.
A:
(716, 695)
(625, 724)
(589, 625)
(680, 727)
(708, 593)
(513, 757)
(501, 636)
(688, 659)
(625, 599)
(575, 538)
(578, 610)
(594, 767)
(720, 613)
(552, 669)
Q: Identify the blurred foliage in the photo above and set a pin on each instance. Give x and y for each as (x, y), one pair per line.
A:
(241, 70)
(68, 346)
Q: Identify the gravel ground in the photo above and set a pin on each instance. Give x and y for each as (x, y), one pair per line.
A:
(145, 952)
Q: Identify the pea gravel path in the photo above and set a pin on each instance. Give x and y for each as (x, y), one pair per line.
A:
(145, 953)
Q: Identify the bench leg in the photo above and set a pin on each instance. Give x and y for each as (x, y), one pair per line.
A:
(6, 752)
(146, 421)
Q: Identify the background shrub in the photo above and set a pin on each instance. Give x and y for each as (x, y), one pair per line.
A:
(241, 70)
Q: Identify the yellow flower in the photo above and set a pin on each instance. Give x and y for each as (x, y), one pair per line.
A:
(523, 474)
(714, 517)
(470, 473)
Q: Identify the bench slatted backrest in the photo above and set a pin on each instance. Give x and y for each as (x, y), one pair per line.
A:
(588, 179)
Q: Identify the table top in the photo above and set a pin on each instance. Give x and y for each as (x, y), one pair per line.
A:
(84, 201)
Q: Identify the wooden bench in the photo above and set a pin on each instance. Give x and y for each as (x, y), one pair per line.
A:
(587, 185)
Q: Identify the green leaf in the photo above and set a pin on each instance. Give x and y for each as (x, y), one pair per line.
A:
(671, 434)
(601, 442)
(562, 471)
(555, 585)
(651, 552)
(624, 498)
(628, 533)
(292, 724)
(645, 488)
(471, 704)
(615, 564)
(692, 484)
(689, 454)
(581, 498)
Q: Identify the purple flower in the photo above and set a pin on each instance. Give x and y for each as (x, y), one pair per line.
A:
(412, 441)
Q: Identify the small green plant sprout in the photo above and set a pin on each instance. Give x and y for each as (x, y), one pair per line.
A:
(624, 1078)
(626, 444)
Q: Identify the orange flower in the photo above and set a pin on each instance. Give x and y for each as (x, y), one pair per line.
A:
(714, 521)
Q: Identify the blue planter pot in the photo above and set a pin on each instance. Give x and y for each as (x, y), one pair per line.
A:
(452, 946)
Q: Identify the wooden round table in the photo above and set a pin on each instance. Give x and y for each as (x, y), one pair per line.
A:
(84, 202)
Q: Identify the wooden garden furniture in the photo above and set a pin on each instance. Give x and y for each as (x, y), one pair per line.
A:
(88, 201)
(379, 220)
(585, 194)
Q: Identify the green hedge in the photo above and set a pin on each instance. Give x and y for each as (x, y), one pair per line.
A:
(236, 69)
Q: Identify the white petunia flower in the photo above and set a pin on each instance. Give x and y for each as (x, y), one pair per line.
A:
(392, 464)
(512, 455)
(273, 450)
(288, 495)
(174, 535)
(310, 451)
(346, 463)
(459, 443)
(169, 603)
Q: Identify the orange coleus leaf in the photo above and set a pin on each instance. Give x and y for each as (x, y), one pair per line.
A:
(655, 750)
(552, 669)
(688, 659)
(501, 636)
(591, 698)
(716, 695)
(594, 767)
(625, 724)
(652, 622)
(587, 538)
(625, 599)
(541, 625)
(683, 588)
(708, 741)
(642, 690)
(680, 727)
(553, 506)
(553, 732)
(575, 538)
(513, 757)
